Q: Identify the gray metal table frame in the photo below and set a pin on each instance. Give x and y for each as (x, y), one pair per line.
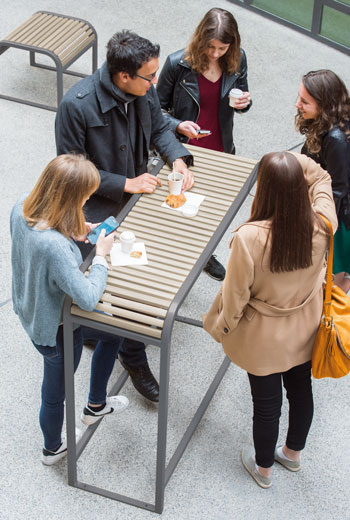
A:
(59, 68)
(163, 471)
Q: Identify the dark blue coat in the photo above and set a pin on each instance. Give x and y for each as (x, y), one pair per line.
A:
(91, 120)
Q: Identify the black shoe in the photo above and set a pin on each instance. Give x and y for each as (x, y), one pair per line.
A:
(215, 269)
(143, 380)
(90, 343)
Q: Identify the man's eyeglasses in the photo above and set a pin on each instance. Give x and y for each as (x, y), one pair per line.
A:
(153, 75)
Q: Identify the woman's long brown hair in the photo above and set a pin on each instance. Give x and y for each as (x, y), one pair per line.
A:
(282, 198)
(59, 194)
(333, 102)
(221, 25)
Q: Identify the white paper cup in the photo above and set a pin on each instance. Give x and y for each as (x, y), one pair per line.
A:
(235, 93)
(175, 185)
(189, 210)
(127, 239)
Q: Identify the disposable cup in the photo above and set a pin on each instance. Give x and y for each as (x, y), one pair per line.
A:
(189, 210)
(235, 93)
(175, 185)
(127, 239)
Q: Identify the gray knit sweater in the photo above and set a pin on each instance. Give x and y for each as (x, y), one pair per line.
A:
(45, 267)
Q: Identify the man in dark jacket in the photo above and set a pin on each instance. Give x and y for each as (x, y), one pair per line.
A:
(114, 117)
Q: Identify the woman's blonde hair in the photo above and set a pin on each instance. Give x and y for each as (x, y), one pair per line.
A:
(217, 24)
(59, 194)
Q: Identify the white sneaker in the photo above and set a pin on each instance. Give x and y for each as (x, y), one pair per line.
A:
(114, 404)
(51, 457)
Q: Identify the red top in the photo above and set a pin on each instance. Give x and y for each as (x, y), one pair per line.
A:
(209, 114)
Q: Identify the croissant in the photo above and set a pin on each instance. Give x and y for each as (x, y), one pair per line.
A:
(175, 201)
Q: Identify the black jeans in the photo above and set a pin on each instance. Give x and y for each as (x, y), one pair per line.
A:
(267, 401)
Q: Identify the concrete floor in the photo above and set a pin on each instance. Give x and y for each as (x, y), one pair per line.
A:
(209, 482)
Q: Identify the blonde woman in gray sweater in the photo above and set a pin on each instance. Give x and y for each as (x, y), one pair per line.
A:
(45, 267)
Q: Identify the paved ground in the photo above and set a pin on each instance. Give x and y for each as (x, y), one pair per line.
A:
(209, 482)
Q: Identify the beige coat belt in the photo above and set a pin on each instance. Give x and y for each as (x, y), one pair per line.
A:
(270, 310)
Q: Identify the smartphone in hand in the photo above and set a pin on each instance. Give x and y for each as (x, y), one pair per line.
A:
(110, 224)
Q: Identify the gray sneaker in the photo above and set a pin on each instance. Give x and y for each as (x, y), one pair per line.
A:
(248, 461)
(289, 464)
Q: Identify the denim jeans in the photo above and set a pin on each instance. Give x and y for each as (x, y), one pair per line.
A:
(267, 401)
(52, 391)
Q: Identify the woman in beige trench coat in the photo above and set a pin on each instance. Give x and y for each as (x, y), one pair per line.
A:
(269, 307)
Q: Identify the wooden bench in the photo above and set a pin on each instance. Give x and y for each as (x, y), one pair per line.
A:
(63, 38)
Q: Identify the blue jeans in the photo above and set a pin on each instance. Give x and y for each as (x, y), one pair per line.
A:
(52, 390)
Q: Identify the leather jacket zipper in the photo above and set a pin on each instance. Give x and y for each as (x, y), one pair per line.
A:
(191, 95)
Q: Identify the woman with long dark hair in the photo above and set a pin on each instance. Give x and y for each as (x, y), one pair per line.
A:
(324, 118)
(268, 310)
(194, 85)
(45, 267)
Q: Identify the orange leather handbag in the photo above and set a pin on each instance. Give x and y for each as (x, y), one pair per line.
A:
(331, 350)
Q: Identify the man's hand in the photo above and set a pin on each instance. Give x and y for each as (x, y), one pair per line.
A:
(180, 166)
(189, 129)
(145, 183)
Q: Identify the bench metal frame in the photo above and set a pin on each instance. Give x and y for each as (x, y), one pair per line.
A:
(59, 68)
(163, 471)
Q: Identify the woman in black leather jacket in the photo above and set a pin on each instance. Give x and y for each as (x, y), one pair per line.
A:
(215, 54)
(194, 85)
(324, 118)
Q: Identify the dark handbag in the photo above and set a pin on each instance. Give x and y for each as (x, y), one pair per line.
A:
(331, 350)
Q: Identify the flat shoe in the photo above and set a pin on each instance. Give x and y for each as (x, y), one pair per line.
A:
(289, 464)
(248, 461)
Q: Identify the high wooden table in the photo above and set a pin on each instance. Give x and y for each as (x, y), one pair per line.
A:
(143, 302)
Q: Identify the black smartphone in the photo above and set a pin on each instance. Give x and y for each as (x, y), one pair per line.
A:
(204, 132)
(110, 224)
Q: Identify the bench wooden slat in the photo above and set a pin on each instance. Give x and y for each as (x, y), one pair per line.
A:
(143, 289)
(161, 283)
(134, 306)
(68, 41)
(63, 32)
(117, 322)
(186, 237)
(71, 56)
(39, 32)
(130, 315)
(166, 219)
(151, 272)
(79, 36)
(180, 244)
(24, 27)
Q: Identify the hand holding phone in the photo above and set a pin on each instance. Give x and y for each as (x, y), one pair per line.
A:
(104, 244)
(110, 224)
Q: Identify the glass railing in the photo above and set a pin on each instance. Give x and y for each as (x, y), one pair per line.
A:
(325, 20)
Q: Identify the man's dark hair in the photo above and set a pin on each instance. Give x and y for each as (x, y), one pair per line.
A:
(127, 52)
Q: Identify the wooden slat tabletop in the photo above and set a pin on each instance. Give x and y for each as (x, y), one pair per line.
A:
(137, 298)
